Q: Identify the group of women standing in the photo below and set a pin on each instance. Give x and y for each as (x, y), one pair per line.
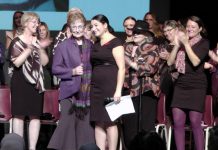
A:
(90, 72)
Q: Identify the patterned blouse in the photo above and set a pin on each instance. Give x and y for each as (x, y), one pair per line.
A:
(32, 68)
(147, 60)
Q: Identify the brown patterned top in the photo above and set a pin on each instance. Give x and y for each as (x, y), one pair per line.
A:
(147, 59)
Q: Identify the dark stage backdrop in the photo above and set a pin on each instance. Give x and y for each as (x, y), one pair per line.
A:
(206, 10)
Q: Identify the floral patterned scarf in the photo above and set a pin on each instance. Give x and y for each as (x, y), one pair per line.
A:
(180, 59)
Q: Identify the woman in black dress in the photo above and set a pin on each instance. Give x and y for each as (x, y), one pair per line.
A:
(189, 54)
(107, 59)
(27, 86)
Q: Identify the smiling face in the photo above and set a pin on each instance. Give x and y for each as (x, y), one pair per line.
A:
(128, 26)
(193, 29)
(77, 28)
(169, 33)
(98, 28)
(42, 32)
(88, 31)
(139, 38)
(17, 18)
(32, 25)
(30, 22)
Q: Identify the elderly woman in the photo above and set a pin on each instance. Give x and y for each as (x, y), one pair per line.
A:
(142, 81)
(71, 64)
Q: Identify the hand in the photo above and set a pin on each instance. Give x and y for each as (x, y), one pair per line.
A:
(117, 96)
(45, 42)
(213, 56)
(183, 37)
(176, 41)
(78, 70)
(164, 55)
(208, 65)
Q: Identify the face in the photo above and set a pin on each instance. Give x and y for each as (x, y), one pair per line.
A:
(77, 28)
(88, 32)
(138, 38)
(17, 18)
(69, 33)
(192, 29)
(98, 28)
(169, 33)
(128, 26)
(150, 20)
(42, 32)
(32, 25)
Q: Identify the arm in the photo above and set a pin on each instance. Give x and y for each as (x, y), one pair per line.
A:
(60, 69)
(191, 55)
(213, 56)
(43, 57)
(148, 66)
(42, 54)
(183, 38)
(9, 37)
(118, 53)
(172, 57)
(19, 55)
(8, 42)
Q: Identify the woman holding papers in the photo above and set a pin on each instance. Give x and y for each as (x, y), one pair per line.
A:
(142, 59)
(108, 64)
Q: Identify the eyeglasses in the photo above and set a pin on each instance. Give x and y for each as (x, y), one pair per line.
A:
(168, 30)
(35, 22)
(77, 27)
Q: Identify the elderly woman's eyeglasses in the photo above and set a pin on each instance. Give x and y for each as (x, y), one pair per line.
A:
(77, 27)
(168, 30)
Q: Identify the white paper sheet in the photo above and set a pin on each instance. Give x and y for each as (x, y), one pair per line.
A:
(125, 106)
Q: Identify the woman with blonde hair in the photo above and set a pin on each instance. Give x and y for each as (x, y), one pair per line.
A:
(27, 57)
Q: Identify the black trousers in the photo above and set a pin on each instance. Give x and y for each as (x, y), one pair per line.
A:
(148, 115)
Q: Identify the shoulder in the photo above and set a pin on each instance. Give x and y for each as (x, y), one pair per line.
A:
(64, 43)
(9, 34)
(88, 42)
(202, 44)
(15, 40)
(115, 42)
(205, 41)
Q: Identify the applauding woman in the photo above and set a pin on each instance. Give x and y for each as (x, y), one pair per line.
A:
(189, 55)
(27, 58)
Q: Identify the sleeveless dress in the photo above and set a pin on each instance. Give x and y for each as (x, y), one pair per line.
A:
(25, 98)
(104, 78)
(190, 89)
